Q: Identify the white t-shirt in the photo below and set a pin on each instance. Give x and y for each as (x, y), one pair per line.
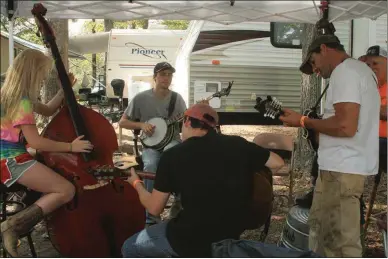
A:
(352, 81)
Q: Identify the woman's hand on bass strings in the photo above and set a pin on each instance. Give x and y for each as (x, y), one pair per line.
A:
(78, 145)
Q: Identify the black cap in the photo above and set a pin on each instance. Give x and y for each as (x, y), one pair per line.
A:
(163, 66)
(375, 51)
(323, 39)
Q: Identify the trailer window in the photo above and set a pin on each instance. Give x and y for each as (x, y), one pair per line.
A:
(211, 87)
(286, 35)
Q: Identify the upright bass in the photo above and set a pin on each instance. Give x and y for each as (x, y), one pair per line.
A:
(101, 216)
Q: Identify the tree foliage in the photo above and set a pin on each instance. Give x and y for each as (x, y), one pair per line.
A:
(176, 24)
(23, 28)
(99, 25)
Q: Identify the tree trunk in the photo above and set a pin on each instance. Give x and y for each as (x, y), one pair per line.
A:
(50, 89)
(310, 92)
(94, 56)
(145, 24)
(132, 25)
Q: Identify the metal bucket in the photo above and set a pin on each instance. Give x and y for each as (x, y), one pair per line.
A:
(295, 233)
(384, 233)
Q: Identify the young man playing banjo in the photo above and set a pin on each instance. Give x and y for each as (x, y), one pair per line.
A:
(159, 101)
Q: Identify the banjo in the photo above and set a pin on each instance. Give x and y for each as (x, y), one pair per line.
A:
(165, 129)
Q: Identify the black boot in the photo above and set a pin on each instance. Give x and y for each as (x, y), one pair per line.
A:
(306, 200)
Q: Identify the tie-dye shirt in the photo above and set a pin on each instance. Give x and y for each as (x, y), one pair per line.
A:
(11, 145)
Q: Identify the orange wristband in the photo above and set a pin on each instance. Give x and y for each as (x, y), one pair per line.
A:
(136, 182)
(302, 121)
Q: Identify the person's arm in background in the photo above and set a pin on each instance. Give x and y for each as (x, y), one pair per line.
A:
(274, 162)
(261, 157)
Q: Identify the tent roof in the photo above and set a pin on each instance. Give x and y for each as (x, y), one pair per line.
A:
(30, 45)
(216, 11)
(90, 43)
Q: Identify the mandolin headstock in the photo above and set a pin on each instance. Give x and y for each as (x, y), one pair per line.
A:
(223, 92)
(270, 107)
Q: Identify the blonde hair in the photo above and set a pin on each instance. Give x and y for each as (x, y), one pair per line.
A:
(24, 79)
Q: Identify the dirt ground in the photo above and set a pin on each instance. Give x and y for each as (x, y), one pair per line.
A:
(374, 240)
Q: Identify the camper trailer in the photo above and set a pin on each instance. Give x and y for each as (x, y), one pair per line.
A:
(132, 55)
(243, 53)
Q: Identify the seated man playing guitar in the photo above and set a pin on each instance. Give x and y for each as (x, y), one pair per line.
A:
(157, 102)
(216, 187)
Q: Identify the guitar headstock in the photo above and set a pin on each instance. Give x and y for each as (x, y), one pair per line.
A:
(224, 91)
(39, 11)
(269, 107)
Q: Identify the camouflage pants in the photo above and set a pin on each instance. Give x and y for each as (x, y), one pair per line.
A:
(335, 215)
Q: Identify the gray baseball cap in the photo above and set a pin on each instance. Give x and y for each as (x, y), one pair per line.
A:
(306, 67)
(375, 51)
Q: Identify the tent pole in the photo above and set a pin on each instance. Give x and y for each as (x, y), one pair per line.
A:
(11, 41)
(11, 12)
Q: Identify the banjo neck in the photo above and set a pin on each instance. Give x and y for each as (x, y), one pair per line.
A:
(180, 116)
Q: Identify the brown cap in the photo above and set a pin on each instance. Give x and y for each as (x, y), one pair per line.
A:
(204, 113)
(163, 66)
(306, 67)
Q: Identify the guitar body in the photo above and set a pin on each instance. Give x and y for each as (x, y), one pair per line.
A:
(262, 199)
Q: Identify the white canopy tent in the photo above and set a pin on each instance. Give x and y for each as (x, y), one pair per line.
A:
(91, 43)
(223, 12)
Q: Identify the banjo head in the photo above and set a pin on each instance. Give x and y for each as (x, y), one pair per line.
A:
(159, 132)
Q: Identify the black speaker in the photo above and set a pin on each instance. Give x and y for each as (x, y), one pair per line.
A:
(118, 87)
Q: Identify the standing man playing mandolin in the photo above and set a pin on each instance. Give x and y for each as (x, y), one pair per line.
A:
(159, 101)
(348, 146)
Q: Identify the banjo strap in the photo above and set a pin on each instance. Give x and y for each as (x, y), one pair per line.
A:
(172, 103)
